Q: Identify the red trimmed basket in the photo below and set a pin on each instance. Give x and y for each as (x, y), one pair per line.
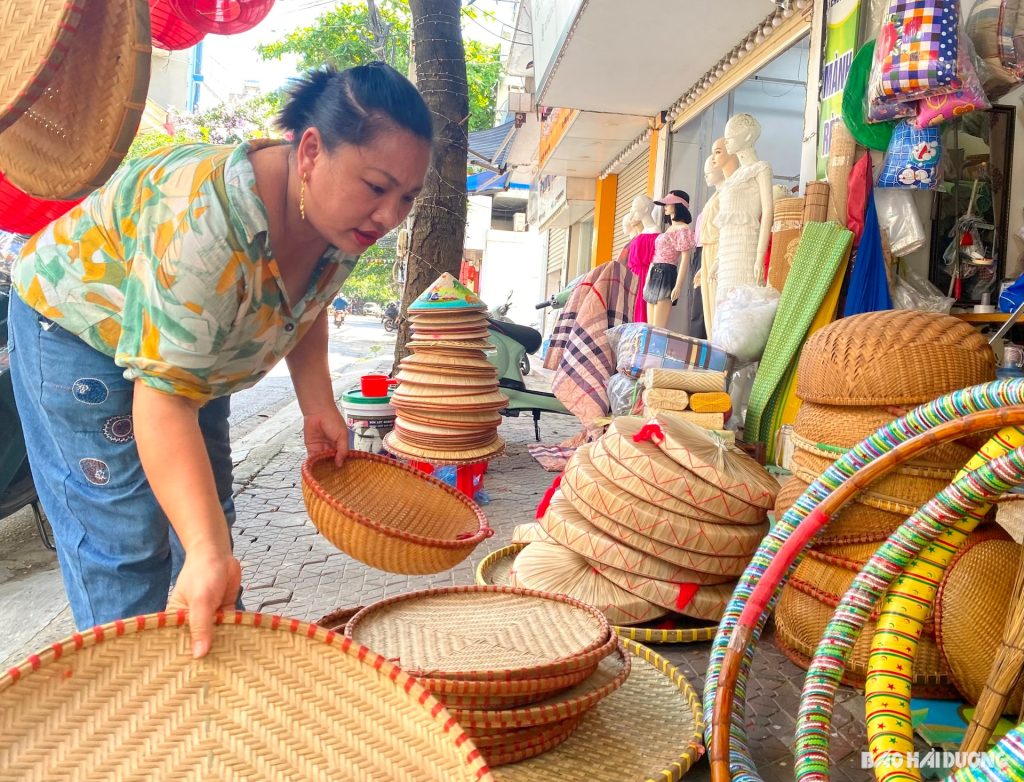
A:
(390, 516)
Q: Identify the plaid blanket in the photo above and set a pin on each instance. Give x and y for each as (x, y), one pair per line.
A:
(579, 351)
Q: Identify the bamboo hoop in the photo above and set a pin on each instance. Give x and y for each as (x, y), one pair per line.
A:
(934, 422)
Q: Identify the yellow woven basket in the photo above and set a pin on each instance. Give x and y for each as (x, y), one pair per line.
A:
(390, 516)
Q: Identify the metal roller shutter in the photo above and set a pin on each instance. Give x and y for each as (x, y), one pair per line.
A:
(632, 182)
(558, 249)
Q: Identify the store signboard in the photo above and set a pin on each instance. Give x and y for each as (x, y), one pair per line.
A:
(550, 21)
(551, 198)
(843, 24)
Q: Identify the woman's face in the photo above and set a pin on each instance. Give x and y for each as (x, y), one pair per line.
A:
(356, 194)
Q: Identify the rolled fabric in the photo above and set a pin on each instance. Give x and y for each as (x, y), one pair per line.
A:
(711, 402)
(690, 380)
(712, 421)
(840, 163)
(667, 398)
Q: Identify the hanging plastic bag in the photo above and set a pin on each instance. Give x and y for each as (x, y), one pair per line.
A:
(913, 292)
(743, 321)
(899, 218)
(936, 109)
(913, 158)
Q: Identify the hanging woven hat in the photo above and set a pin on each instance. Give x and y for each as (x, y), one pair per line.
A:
(169, 30)
(894, 357)
(79, 130)
(222, 17)
(707, 457)
(971, 609)
(549, 567)
(446, 293)
(34, 38)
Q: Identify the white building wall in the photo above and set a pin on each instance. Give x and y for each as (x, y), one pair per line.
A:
(514, 261)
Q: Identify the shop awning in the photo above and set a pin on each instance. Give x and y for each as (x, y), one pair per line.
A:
(488, 182)
(637, 58)
(490, 147)
(590, 141)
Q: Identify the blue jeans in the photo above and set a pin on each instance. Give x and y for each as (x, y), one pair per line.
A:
(118, 554)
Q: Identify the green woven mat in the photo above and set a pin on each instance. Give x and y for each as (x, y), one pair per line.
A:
(818, 257)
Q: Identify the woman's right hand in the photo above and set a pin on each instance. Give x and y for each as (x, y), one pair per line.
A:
(209, 582)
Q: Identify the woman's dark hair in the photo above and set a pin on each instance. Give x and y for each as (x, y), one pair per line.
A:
(680, 214)
(354, 105)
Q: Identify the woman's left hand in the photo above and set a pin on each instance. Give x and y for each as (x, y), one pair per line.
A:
(326, 432)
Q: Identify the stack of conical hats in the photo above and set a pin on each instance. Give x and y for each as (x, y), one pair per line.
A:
(855, 376)
(447, 403)
(656, 516)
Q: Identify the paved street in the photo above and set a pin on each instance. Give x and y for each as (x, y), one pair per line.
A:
(289, 569)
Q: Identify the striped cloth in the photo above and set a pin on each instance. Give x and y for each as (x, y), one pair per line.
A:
(579, 351)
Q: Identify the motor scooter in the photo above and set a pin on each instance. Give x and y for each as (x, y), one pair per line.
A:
(390, 316)
(339, 318)
(513, 342)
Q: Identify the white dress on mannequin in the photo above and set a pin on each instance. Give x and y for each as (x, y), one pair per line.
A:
(739, 226)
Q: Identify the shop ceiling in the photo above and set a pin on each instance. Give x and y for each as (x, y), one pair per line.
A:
(637, 58)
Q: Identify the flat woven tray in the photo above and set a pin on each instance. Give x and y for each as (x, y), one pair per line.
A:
(650, 729)
(496, 567)
(484, 633)
(127, 701)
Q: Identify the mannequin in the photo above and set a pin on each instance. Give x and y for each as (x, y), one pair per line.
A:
(631, 227)
(672, 251)
(641, 250)
(707, 238)
(745, 210)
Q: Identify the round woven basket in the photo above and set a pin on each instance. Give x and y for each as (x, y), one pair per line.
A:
(127, 701)
(484, 633)
(34, 39)
(844, 427)
(892, 357)
(856, 522)
(971, 608)
(800, 622)
(76, 133)
(390, 516)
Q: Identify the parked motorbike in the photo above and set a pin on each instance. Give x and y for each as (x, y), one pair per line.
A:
(390, 316)
(513, 342)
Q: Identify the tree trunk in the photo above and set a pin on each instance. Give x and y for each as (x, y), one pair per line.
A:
(439, 221)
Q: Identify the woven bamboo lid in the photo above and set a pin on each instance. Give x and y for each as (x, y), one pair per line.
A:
(34, 39)
(549, 567)
(654, 465)
(441, 454)
(474, 632)
(586, 480)
(971, 610)
(77, 132)
(424, 360)
(706, 456)
(706, 602)
(892, 357)
(127, 701)
(441, 377)
(473, 345)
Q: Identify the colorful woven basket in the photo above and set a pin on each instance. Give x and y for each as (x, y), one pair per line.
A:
(390, 516)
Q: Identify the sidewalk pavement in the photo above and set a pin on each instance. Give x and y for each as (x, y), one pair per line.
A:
(289, 569)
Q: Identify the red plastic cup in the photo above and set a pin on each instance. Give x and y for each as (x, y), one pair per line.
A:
(376, 385)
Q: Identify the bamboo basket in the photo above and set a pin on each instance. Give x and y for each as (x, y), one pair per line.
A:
(390, 516)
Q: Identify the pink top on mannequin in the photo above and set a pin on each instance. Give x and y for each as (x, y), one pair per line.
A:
(669, 245)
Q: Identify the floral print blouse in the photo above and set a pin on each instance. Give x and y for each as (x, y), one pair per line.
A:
(168, 269)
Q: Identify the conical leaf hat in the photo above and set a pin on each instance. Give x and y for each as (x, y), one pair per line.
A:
(446, 293)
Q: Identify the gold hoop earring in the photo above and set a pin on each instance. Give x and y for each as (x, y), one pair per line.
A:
(302, 199)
